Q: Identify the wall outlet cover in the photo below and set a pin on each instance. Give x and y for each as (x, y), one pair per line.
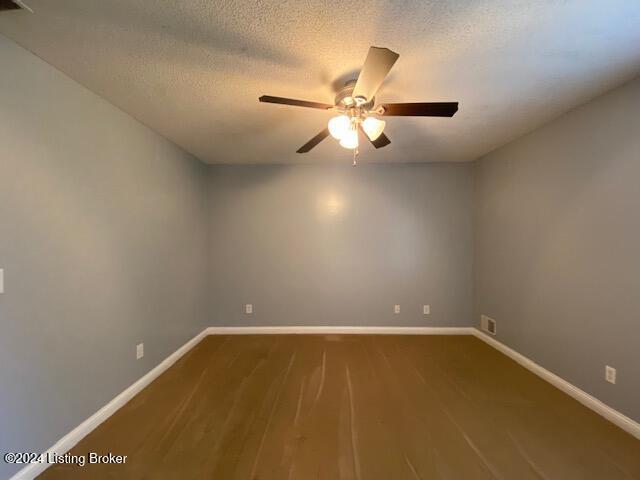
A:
(610, 374)
(139, 351)
(426, 309)
(396, 309)
(248, 308)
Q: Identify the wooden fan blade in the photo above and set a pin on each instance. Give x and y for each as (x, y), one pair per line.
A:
(381, 141)
(314, 141)
(426, 109)
(375, 69)
(295, 103)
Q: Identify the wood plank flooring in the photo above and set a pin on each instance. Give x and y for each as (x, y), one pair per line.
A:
(328, 407)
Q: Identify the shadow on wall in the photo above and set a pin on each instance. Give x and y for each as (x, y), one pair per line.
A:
(334, 244)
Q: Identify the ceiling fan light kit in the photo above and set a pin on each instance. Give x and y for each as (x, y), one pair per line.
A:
(355, 103)
(338, 126)
(350, 139)
(373, 127)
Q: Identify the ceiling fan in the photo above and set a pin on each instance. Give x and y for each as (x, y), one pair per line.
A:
(355, 102)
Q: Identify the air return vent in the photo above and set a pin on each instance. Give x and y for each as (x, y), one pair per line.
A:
(488, 325)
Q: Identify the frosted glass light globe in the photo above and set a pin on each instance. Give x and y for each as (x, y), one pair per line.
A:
(350, 139)
(338, 126)
(373, 127)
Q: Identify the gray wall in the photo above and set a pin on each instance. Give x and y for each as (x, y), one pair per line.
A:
(103, 241)
(557, 245)
(338, 245)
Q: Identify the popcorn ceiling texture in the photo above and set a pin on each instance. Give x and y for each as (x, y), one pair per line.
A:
(193, 70)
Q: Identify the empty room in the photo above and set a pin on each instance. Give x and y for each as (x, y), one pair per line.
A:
(320, 240)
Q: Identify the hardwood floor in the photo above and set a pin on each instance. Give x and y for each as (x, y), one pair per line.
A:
(354, 407)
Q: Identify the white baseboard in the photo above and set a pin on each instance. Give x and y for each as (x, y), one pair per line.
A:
(329, 330)
(627, 424)
(82, 430)
(73, 437)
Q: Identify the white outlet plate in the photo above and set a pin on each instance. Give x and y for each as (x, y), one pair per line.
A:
(610, 374)
(426, 309)
(139, 351)
(396, 309)
(1, 280)
(248, 308)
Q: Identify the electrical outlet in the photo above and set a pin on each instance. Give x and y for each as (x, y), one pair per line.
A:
(426, 309)
(396, 309)
(248, 308)
(1, 280)
(139, 351)
(610, 374)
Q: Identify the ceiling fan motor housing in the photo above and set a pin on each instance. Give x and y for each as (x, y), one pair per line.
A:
(344, 97)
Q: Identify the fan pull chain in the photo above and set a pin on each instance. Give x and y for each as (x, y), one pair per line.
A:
(356, 151)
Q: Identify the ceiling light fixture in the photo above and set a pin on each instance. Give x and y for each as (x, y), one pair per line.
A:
(373, 127)
(338, 126)
(345, 127)
(350, 138)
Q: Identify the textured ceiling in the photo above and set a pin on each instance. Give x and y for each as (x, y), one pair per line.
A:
(193, 70)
